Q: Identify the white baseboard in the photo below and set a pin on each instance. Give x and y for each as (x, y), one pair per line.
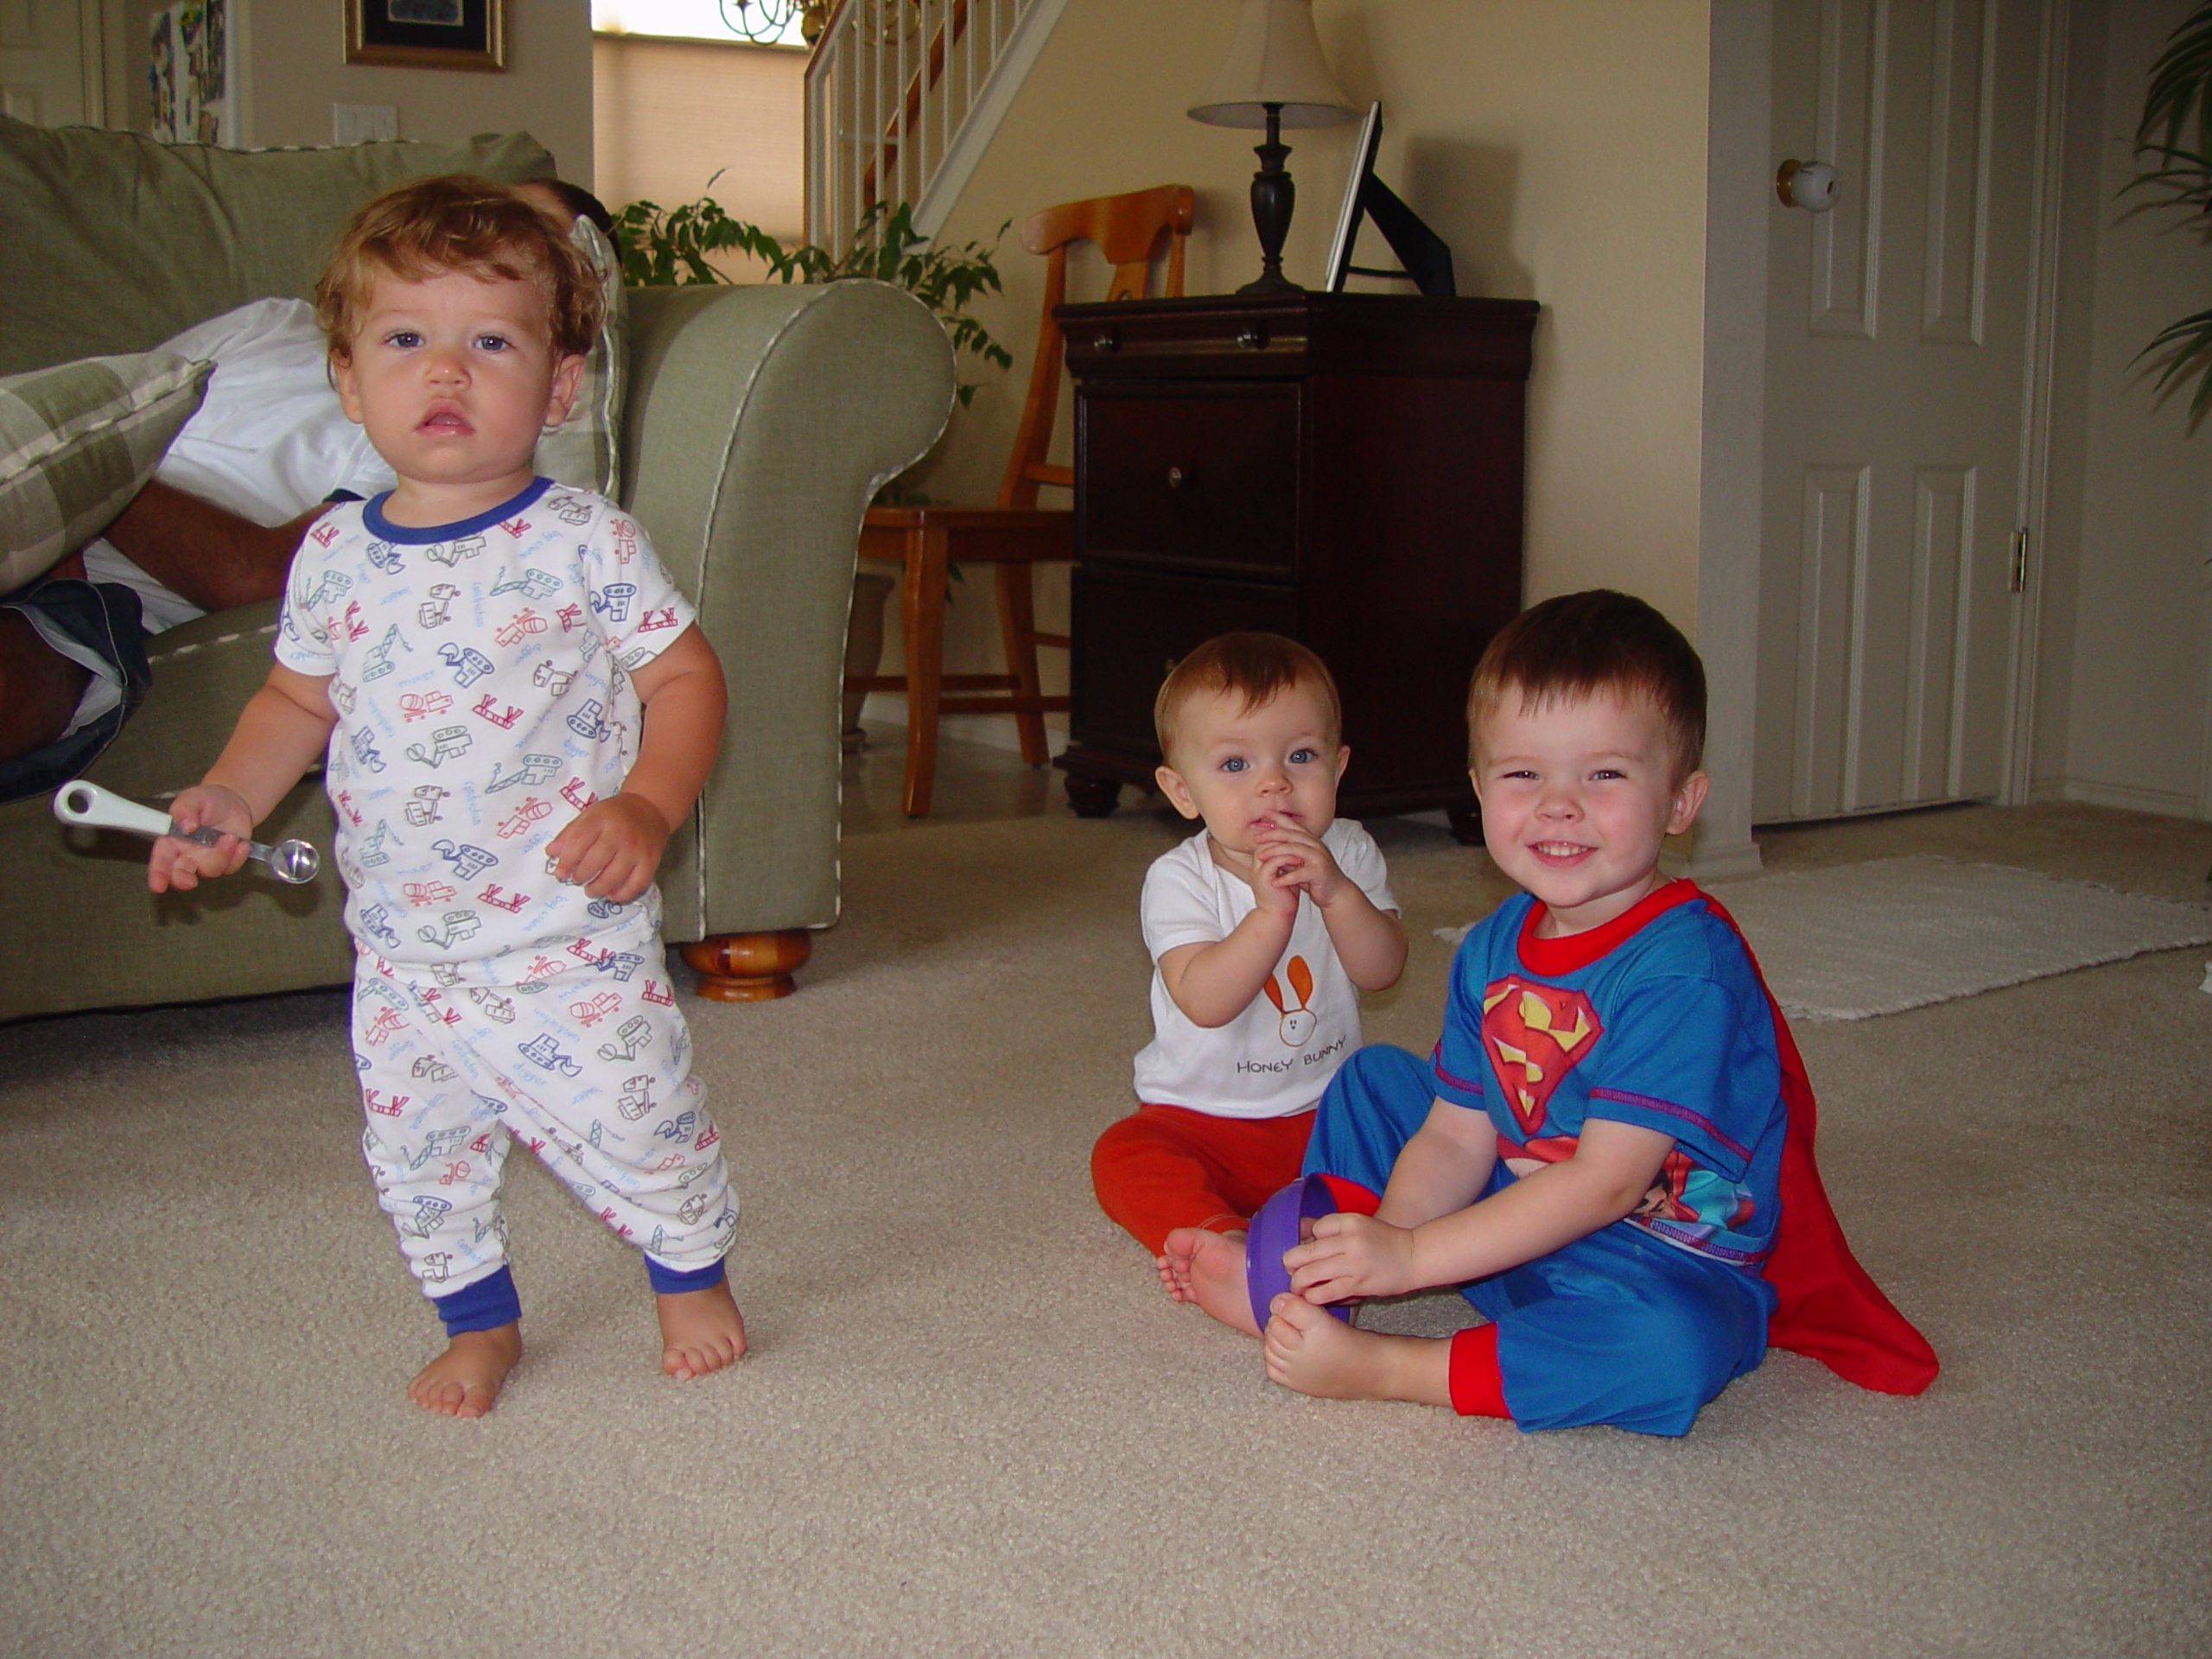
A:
(991, 731)
(2166, 803)
(1715, 863)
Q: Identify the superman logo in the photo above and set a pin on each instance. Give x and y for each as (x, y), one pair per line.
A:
(1534, 1034)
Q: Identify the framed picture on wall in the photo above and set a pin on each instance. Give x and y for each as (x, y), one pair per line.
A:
(427, 34)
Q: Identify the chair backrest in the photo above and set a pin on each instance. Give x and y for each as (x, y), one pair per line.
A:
(1128, 230)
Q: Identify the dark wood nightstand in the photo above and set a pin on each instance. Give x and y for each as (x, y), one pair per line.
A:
(1343, 469)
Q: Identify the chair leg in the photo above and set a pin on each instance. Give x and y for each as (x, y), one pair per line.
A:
(922, 594)
(1017, 623)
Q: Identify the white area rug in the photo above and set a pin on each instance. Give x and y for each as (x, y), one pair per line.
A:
(1897, 933)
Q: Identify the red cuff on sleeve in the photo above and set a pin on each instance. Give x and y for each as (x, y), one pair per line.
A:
(1352, 1198)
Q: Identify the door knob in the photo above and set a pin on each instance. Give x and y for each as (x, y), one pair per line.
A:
(1810, 185)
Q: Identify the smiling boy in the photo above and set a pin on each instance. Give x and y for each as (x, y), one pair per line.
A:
(1598, 1152)
(1264, 928)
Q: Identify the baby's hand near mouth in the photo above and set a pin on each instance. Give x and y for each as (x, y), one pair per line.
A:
(1293, 858)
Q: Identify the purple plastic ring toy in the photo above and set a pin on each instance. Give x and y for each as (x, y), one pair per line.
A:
(1275, 1230)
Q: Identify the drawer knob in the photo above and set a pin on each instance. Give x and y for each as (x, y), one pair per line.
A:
(1177, 479)
(1251, 339)
(1105, 341)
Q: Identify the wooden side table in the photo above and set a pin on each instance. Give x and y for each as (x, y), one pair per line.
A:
(1343, 469)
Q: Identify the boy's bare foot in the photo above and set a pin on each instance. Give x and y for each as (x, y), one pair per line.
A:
(1208, 1269)
(1314, 1353)
(701, 1330)
(1310, 1350)
(465, 1380)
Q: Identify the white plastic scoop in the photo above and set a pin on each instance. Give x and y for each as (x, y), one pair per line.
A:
(88, 803)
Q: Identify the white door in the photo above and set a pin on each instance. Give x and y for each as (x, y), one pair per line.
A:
(44, 61)
(1897, 357)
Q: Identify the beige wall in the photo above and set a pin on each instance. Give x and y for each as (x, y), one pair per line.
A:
(2123, 693)
(292, 63)
(669, 114)
(1560, 150)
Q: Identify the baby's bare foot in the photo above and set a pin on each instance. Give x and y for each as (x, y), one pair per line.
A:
(701, 1330)
(1310, 1350)
(1208, 1269)
(1174, 1261)
(465, 1380)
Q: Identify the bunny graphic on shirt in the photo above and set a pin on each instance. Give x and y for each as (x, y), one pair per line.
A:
(1298, 1021)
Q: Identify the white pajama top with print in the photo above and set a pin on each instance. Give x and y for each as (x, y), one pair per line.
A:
(480, 673)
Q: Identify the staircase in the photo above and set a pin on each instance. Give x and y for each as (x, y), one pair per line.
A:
(902, 99)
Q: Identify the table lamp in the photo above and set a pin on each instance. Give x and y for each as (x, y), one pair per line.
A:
(1275, 77)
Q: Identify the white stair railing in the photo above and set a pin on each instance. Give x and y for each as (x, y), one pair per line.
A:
(902, 98)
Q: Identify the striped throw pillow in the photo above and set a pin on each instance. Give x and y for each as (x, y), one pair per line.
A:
(77, 442)
(585, 450)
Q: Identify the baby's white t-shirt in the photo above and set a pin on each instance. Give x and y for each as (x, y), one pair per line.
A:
(1277, 1056)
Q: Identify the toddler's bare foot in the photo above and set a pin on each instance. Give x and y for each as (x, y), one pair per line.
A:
(1208, 1269)
(1310, 1350)
(1174, 1262)
(465, 1380)
(701, 1330)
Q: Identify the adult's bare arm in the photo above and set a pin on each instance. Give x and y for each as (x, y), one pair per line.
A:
(210, 555)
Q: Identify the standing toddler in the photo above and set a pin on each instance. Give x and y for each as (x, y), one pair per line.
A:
(517, 708)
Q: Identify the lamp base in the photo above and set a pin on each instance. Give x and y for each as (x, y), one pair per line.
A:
(1274, 196)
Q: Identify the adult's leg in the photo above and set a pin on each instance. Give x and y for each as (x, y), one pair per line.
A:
(40, 687)
(59, 634)
(1163, 1167)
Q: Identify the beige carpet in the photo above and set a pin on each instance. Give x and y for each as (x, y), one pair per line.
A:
(973, 1425)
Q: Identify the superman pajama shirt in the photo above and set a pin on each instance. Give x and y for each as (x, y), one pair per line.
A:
(1657, 1018)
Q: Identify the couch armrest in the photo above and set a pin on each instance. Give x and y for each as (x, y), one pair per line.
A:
(759, 423)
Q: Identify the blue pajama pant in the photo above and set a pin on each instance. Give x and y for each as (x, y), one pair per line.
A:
(1613, 1328)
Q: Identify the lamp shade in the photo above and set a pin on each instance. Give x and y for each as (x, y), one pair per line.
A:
(1276, 58)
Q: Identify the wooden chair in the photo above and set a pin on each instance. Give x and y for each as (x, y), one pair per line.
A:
(1016, 533)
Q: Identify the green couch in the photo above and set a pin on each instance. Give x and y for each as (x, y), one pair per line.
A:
(758, 423)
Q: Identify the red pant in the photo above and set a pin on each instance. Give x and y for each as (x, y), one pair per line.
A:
(1163, 1167)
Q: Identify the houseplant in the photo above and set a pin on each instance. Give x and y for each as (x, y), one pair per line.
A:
(662, 247)
(2173, 147)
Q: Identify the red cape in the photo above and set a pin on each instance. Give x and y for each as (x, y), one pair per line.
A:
(1829, 1308)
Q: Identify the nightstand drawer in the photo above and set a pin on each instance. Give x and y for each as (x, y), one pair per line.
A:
(1152, 619)
(1203, 475)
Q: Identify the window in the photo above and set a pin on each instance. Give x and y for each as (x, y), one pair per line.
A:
(676, 97)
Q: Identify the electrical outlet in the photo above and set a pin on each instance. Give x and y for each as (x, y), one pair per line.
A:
(362, 123)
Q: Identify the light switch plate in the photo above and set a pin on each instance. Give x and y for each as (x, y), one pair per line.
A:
(361, 124)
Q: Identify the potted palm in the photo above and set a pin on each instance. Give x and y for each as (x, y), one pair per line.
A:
(2173, 147)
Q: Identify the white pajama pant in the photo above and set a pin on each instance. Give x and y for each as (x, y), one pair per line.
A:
(590, 1072)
